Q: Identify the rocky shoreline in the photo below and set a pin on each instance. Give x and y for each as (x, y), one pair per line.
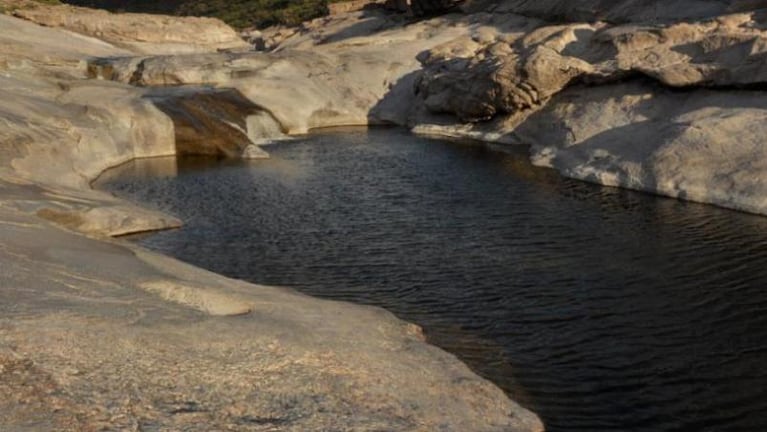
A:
(666, 102)
(98, 334)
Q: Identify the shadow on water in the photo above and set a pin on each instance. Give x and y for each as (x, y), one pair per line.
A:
(601, 309)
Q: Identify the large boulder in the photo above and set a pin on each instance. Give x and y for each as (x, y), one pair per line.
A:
(505, 74)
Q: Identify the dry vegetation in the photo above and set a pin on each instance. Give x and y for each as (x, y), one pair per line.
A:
(237, 13)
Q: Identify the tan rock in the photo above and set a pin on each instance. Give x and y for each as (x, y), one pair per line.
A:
(704, 146)
(502, 79)
(140, 33)
(117, 337)
(338, 83)
(213, 122)
(505, 78)
(25, 43)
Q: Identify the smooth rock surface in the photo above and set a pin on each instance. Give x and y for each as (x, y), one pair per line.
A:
(339, 77)
(96, 334)
(141, 33)
(706, 146)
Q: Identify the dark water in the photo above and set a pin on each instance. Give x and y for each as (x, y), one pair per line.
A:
(598, 308)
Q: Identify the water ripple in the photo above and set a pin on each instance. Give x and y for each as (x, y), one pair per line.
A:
(601, 309)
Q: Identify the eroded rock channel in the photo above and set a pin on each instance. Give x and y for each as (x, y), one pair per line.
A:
(599, 309)
(664, 97)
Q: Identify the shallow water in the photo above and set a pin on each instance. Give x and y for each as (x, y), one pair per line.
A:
(600, 309)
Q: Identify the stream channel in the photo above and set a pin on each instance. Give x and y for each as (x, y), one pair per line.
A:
(598, 308)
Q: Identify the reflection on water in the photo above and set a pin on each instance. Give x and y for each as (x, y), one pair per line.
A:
(601, 309)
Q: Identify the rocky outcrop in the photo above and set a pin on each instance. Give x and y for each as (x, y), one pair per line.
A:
(338, 75)
(492, 71)
(141, 33)
(706, 146)
(214, 122)
(505, 75)
(488, 75)
(687, 127)
(67, 118)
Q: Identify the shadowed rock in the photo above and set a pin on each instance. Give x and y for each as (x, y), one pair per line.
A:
(211, 122)
(505, 76)
(431, 7)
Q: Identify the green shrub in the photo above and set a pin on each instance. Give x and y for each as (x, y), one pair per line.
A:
(237, 13)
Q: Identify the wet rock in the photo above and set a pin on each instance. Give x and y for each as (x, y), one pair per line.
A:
(208, 122)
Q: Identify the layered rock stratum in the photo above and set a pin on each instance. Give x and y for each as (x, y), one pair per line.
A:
(665, 97)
